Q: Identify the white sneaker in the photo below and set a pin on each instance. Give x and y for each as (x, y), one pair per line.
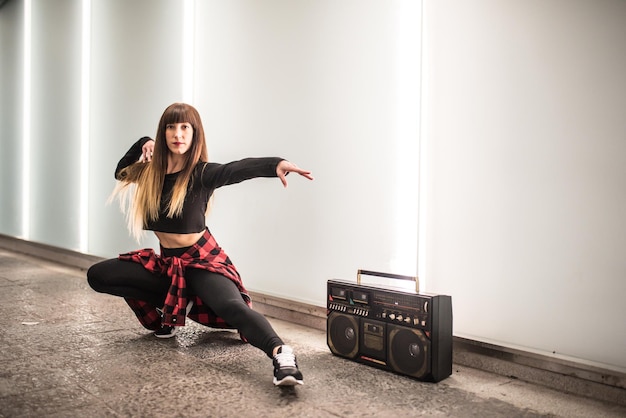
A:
(286, 371)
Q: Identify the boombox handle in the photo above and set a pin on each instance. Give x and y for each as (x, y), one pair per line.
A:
(388, 275)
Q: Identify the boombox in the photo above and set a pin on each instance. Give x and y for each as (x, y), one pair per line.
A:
(406, 332)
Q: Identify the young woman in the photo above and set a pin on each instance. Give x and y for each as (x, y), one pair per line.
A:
(192, 276)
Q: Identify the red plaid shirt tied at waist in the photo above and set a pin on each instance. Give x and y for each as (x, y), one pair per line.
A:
(204, 254)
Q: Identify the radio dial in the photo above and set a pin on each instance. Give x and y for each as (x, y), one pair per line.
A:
(392, 316)
(400, 318)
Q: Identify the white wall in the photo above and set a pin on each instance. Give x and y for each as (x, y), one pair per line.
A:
(11, 104)
(330, 85)
(522, 147)
(135, 74)
(525, 192)
(315, 82)
(56, 124)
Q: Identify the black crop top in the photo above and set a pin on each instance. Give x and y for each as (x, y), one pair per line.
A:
(206, 178)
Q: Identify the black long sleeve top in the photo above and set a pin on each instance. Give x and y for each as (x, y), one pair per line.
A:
(206, 178)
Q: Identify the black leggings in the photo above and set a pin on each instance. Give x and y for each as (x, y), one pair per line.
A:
(131, 280)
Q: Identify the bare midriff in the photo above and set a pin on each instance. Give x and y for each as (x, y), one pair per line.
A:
(170, 240)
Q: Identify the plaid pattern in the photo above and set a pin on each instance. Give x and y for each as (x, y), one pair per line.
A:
(204, 254)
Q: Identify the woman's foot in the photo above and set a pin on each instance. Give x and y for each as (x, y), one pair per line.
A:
(286, 371)
(165, 332)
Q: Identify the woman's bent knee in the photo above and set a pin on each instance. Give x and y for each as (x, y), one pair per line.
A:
(92, 278)
(96, 276)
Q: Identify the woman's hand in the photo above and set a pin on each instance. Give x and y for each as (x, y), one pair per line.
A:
(146, 152)
(285, 167)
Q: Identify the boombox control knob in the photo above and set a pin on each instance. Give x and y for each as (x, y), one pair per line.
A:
(392, 316)
(400, 318)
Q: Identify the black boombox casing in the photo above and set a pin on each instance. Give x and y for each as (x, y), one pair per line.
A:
(405, 332)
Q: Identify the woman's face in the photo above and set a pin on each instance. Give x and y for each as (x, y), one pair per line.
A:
(178, 137)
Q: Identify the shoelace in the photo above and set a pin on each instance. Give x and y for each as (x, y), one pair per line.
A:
(286, 359)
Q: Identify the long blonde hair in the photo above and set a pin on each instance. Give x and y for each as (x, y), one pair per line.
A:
(147, 178)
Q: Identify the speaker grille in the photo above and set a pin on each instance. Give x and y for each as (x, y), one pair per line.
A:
(409, 351)
(343, 334)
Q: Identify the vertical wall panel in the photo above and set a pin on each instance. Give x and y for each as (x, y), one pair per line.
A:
(55, 123)
(11, 116)
(314, 82)
(136, 72)
(527, 186)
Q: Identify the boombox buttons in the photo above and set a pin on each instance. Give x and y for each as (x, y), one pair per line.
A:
(354, 302)
(406, 319)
